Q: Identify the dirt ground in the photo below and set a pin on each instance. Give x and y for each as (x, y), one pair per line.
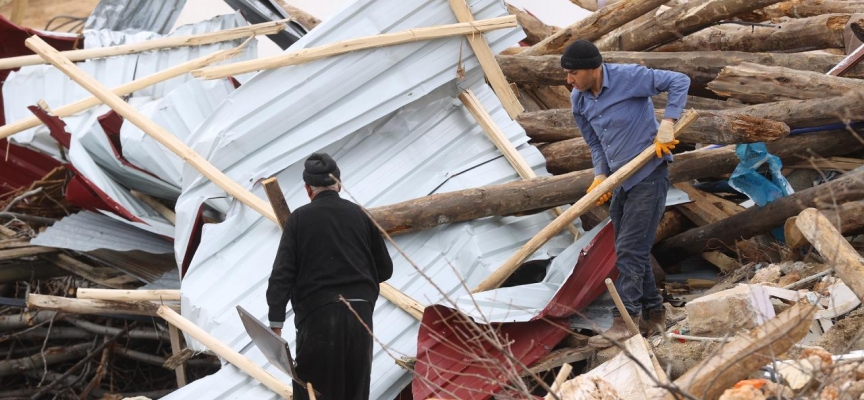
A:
(39, 12)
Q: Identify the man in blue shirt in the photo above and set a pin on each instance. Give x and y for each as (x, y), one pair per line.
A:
(613, 110)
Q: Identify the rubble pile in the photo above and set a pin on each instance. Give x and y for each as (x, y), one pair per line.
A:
(132, 224)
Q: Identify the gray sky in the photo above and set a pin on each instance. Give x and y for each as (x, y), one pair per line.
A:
(553, 12)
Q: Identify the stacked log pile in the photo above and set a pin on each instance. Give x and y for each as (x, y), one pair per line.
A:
(761, 71)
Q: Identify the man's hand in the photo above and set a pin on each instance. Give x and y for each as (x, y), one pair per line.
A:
(665, 140)
(277, 331)
(597, 180)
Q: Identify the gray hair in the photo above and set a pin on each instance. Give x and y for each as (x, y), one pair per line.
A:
(319, 189)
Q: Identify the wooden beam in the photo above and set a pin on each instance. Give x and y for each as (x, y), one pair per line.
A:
(160, 208)
(802, 9)
(176, 348)
(220, 349)
(487, 61)
(277, 200)
(831, 244)
(472, 103)
(595, 25)
(535, 29)
(744, 354)
(505, 270)
(347, 46)
(78, 306)
(102, 276)
(171, 142)
(12, 128)
(705, 208)
(128, 295)
(725, 263)
(267, 28)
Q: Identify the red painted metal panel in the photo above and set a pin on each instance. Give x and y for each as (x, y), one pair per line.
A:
(455, 361)
(21, 166)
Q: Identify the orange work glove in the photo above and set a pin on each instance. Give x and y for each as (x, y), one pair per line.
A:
(597, 180)
(665, 140)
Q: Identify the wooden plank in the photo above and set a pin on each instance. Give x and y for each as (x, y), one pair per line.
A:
(346, 46)
(176, 348)
(220, 349)
(267, 28)
(12, 128)
(487, 61)
(14, 244)
(128, 295)
(831, 244)
(171, 142)
(725, 263)
(745, 353)
(705, 208)
(277, 200)
(493, 131)
(160, 208)
(505, 270)
(11, 254)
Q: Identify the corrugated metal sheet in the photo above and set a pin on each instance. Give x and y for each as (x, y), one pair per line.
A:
(87, 231)
(135, 15)
(147, 267)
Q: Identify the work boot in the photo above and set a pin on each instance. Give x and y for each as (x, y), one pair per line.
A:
(617, 332)
(655, 322)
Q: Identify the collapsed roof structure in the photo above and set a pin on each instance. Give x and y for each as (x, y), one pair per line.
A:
(408, 114)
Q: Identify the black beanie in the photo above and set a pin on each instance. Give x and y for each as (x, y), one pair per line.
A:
(317, 170)
(581, 54)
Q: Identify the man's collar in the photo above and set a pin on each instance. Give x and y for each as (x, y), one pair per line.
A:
(605, 77)
(326, 193)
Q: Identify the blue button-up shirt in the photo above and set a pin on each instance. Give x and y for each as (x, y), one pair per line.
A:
(619, 123)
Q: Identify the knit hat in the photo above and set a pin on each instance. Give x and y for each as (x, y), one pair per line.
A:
(317, 170)
(581, 54)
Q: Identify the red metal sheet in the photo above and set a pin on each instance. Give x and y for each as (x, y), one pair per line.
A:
(455, 361)
(21, 166)
(83, 193)
(56, 126)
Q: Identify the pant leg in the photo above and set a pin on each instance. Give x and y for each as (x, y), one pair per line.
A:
(635, 215)
(334, 352)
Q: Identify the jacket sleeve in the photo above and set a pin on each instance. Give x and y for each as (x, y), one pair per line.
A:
(383, 263)
(598, 156)
(649, 82)
(284, 275)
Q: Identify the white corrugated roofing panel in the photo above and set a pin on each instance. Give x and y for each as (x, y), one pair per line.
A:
(88, 231)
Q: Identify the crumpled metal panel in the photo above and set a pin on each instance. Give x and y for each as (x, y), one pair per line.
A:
(87, 231)
(135, 15)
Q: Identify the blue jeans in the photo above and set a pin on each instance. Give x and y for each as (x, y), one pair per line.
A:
(635, 216)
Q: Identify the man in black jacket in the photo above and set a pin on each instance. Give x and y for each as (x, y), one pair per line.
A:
(329, 249)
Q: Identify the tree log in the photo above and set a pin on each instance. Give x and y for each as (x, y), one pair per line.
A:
(794, 35)
(847, 262)
(756, 83)
(535, 30)
(594, 26)
(677, 22)
(808, 113)
(757, 220)
(76, 306)
(541, 193)
(846, 217)
(671, 223)
(802, 9)
(711, 127)
(52, 355)
(701, 66)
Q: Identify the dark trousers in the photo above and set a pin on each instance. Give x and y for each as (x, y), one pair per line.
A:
(334, 352)
(635, 216)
